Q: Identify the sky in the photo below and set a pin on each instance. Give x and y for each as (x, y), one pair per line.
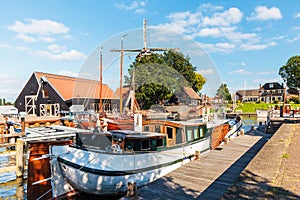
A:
(246, 41)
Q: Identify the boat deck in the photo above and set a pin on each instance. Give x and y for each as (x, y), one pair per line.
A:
(211, 175)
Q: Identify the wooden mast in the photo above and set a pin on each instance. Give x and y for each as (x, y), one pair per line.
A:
(121, 74)
(100, 103)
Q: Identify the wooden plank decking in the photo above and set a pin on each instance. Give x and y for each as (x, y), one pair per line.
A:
(210, 176)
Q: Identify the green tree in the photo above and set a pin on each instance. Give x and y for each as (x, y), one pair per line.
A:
(291, 72)
(223, 92)
(158, 77)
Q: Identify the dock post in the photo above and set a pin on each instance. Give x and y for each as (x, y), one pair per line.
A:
(242, 131)
(19, 158)
(197, 155)
(23, 115)
(131, 188)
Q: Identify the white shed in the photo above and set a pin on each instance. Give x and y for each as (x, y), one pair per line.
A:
(8, 110)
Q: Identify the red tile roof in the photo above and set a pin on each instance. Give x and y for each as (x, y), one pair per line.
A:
(125, 90)
(71, 87)
(191, 93)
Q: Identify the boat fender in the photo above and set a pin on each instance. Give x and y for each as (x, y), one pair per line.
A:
(115, 148)
(131, 188)
(242, 131)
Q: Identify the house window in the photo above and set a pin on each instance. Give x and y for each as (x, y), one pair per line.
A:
(146, 128)
(157, 128)
(271, 85)
(45, 93)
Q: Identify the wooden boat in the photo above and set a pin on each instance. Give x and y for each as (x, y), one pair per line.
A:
(107, 163)
(111, 162)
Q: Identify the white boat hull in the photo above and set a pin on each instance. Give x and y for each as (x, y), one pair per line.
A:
(106, 173)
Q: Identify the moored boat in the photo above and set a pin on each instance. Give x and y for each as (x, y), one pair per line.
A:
(107, 163)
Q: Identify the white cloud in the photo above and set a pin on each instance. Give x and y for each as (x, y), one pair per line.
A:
(218, 47)
(47, 39)
(3, 45)
(229, 33)
(208, 7)
(23, 48)
(266, 73)
(209, 32)
(25, 38)
(225, 45)
(240, 71)
(256, 46)
(238, 64)
(226, 18)
(139, 11)
(205, 71)
(264, 13)
(55, 48)
(136, 6)
(297, 15)
(65, 55)
(267, 80)
(40, 27)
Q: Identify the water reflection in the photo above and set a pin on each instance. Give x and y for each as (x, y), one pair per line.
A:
(252, 121)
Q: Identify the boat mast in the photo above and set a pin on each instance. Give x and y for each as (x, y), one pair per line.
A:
(121, 73)
(100, 104)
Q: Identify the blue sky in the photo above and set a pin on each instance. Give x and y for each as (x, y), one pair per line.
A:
(248, 41)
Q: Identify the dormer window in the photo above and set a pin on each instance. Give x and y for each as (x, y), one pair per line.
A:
(271, 85)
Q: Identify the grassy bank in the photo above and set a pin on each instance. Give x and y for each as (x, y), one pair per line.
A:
(251, 107)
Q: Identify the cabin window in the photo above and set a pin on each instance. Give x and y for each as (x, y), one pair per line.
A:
(128, 145)
(159, 142)
(136, 145)
(196, 133)
(157, 128)
(201, 132)
(146, 128)
(189, 135)
(170, 132)
(145, 144)
(179, 136)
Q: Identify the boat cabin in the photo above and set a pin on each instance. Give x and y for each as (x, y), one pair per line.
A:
(156, 135)
(177, 132)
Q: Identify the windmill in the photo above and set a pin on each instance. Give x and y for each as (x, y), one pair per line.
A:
(145, 51)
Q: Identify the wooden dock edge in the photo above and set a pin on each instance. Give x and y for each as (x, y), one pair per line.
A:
(39, 171)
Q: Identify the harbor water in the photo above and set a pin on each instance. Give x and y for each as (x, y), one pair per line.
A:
(12, 188)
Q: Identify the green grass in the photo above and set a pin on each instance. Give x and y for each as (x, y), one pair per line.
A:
(251, 107)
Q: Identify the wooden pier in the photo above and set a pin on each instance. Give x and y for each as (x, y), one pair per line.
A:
(211, 175)
(37, 129)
